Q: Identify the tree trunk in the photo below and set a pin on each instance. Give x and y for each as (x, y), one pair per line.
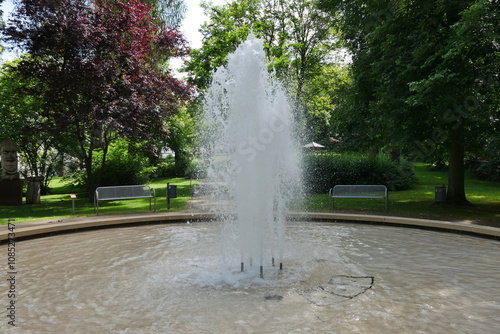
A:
(456, 168)
(180, 163)
(88, 160)
(90, 177)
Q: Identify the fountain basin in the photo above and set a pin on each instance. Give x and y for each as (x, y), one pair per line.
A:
(170, 278)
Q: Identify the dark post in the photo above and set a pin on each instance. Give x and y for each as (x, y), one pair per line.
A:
(168, 197)
(440, 197)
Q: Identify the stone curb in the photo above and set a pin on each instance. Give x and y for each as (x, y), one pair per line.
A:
(39, 229)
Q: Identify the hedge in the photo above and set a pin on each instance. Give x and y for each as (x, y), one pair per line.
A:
(323, 171)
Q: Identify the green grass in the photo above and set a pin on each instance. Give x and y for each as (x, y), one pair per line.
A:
(419, 201)
(416, 202)
(58, 205)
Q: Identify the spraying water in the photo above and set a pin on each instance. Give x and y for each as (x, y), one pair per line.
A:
(250, 153)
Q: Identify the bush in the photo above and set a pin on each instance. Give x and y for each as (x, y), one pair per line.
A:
(488, 170)
(323, 171)
(166, 168)
(486, 167)
(122, 166)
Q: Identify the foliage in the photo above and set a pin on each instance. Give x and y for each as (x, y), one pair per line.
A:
(166, 168)
(299, 41)
(323, 95)
(182, 138)
(323, 171)
(98, 68)
(125, 164)
(21, 121)
(487, 165)
(171, 12)
(422, 77)
(296, 36)
(229, 25)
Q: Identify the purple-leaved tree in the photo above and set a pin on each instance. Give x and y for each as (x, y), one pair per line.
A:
(102, 68)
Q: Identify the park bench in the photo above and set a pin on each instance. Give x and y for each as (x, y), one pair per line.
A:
(116, 193)
(359, 191)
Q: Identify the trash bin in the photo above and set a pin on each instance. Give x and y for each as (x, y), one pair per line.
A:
(171, 191)
(440, 194)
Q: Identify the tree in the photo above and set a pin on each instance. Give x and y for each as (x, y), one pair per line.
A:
(171, 12)
(98, 64)
(323, 95)
(182, 138)
(228, 26)
(21, 121)
(413, 84)
(297, 39)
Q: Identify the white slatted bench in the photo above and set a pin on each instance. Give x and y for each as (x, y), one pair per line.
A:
(117, 193)
(359, 191)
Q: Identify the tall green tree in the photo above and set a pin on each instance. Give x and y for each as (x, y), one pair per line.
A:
(322, 96)
(297, 38)
(226, 28)
(182, 138)
(21, 121)
(417, 82)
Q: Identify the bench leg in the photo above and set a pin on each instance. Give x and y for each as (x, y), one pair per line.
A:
(154, 204)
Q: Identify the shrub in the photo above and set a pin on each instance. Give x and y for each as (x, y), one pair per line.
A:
(123, 166)
(166, 168)
(323, 171)
(488, 166)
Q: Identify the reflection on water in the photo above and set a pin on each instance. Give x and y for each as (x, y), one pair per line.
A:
(174, 279)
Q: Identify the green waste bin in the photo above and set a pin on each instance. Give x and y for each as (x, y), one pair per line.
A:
(440, 194)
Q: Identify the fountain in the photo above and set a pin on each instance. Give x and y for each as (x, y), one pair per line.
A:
(166, 279)
(248, 146)
(218, 276)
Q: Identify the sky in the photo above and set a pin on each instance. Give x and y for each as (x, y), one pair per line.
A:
(191, 24)
(194, 19)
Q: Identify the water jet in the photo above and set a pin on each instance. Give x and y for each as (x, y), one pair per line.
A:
(252, 160)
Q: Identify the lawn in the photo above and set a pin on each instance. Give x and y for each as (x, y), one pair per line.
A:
(419, 201)
(416, 202)
(58, 205)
